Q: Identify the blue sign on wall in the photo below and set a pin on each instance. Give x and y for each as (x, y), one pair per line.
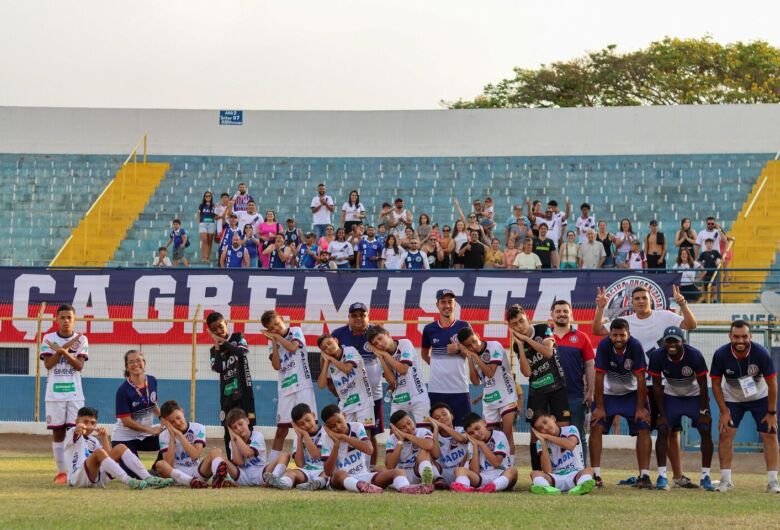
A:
(231, 117)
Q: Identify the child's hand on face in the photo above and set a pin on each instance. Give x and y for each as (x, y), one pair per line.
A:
(100, 431)
(300, 432)
(79, 429)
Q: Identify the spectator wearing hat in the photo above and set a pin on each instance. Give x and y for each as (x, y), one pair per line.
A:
(655, 247)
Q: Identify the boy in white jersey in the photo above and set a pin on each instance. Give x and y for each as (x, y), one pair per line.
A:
(344, 373)
(452, 445)
(344, 448)
(308, 473)
(294, 384)
(490, 468)
(560, 452)
(490, 368)
(403, 371)
(248, 464)
(409, 448)
(92, 462)
(63, 353)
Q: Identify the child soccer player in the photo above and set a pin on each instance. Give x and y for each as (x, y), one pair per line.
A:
(489, 468)
(409, 448)
(93, 464)
(452, 442)
(402, 369)
(560, 452)
(229, 358)
(294, 384)
(248, 461)
(490, 367)
(63, 353)
(306, 451)
(181, 445)
(346, 449)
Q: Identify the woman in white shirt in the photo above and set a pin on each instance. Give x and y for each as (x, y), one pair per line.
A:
(623, 240)
(393, 255)
(460, 236)
(341, 250)
(352, 212)
(687, 267)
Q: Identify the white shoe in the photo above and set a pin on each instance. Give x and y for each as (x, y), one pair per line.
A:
(724, 486)
(773, 487)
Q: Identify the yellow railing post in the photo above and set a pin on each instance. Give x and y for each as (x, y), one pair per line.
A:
(38, 341)
(194, 368)
(145, 149)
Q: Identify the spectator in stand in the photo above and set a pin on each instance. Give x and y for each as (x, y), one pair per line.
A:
(234, 256)
(494, 257)
(268, 230)
(393, 254)
(688, 268)
(567, 255)
(321, 207)
(460, 236)
(556, 220)
(607, 240)
(489, 206)
(250, 216)
(432, 248)
(355, 237)
(341, 250)
(637, 259)
(325, 263)
(408, 236)
(352, 212)
(293, 234)
(383, 219)
(472, 221)
(584, 223)
(534, 213)
(685, 237)
(710, 259)
(369, 253)
(308, 252)
(415, 258)
(241, 199)
(278, 253)
(400, 219)
(623, 241)
(220, 216)
(545, 248)
(228, 231)
(330, 235)
(591, 254)
(435, 231)
(488, 225)
(655, 246)
(517, 227)
(510, 253)
(447, 245)
(473, 252)
(207, 226)
(713, 231)
(161, 259)
(253, 245)
(178, 237)
(424, 227)
(527, 260)
(477, 210)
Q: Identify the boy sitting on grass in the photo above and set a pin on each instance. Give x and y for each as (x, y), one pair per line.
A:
(409, 448)
(90, 465)
(452, 442)
(489, 468)
(306, 450)
(248, 464)
(560, 453)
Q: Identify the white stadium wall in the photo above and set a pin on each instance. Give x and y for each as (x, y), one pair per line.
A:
(521, 132)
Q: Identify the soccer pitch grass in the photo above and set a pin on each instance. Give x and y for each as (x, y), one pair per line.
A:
(29, 499)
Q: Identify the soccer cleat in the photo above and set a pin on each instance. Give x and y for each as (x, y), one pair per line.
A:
(706, 483)
(311, 485)
(662, 483)
(461, 488)
(599, 481)
(724, 486)
(158, 483)
(418, 489)
(685, 482)
(135, 484)
(427, 476)
(218, 480)
(61, 478)
(440, 484)
(544, 490)
(487, 488)
(630, 481)
(274, 481)
(197, 484)
(773, 487)
(367, 487)
(584, 488)
(644, 483)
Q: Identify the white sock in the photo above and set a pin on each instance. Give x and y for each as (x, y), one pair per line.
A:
(597, 471)
(643, 472)
(287, 481)
(541, 481)
(662, 471)
(279, 470)
(134, 465)
(583, 478)
(725, 475)
(215, 464)
(705, 472)
(350, 484)
(58, 448)
(436, 473)
(180, 477)
(463, 479)
(501, 483)
(772, 475)
(424, 464)
(400, 482)
(114, 470)
(274, 454)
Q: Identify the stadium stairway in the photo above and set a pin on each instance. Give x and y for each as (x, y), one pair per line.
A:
(98, 235)
(756, 243)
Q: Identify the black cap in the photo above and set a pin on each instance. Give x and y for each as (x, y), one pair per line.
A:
(441, 293)
(358, 306)
(673, 332)
(653, 223)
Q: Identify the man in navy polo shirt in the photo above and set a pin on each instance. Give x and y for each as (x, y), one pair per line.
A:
(449, 375)
(354, 334)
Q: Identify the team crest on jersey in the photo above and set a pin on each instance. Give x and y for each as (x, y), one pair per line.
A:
(628, 364)
(153, 397)
(221, 416)
(619, 296)
(529, 413)
(752, 370)
(190, 437)
(91, 445)
(367, 347)
(574, 339)
(687, 371)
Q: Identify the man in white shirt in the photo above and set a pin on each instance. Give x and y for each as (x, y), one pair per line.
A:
(713, 231)
(321, 207)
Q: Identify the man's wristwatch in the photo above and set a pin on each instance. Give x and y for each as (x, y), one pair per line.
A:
(772, 412)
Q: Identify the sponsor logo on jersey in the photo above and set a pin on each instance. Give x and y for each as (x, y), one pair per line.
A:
(619, 296)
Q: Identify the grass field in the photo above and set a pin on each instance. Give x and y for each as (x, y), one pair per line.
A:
(28, 499)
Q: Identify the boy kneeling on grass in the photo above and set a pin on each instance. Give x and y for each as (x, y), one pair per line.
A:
(490, 468)
(409, 448)
(90, 465)
(560, 453)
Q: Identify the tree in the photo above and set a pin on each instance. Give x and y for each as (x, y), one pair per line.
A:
(668, 72)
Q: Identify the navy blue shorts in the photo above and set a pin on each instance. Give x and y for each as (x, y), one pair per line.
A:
(379, 417)
(757, 409)
(625, 407)
(459, 403)
(676, 407)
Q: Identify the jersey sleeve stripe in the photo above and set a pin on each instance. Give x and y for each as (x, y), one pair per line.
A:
(699, 374)
(656, 374)
(601, 370)
(640, 370)
(770, 376)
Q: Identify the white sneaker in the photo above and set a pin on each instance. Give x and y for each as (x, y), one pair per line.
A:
(773, 487)
(724, 486)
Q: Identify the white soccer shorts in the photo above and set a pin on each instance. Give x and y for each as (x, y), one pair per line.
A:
(286, 404)
(62, 413)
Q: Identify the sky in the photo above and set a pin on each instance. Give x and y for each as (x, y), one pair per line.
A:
(323, 54)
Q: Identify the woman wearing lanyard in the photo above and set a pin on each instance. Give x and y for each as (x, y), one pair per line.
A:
(136, 407)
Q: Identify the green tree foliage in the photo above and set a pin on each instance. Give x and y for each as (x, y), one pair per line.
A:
(668, 72)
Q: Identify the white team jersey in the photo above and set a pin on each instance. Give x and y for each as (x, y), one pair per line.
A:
(309, 462)
(554, 227)
(257, 443)
(452, 451)
(583, 225)
(195, 433)
(341, 251)
(409, 386)
(499, 446)
(353, 388)
(63, 382)
(245, 218)
(77, 451)
(349, 459)
(563, 461)
(499, 390)
(294, 373)
(409, 451)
